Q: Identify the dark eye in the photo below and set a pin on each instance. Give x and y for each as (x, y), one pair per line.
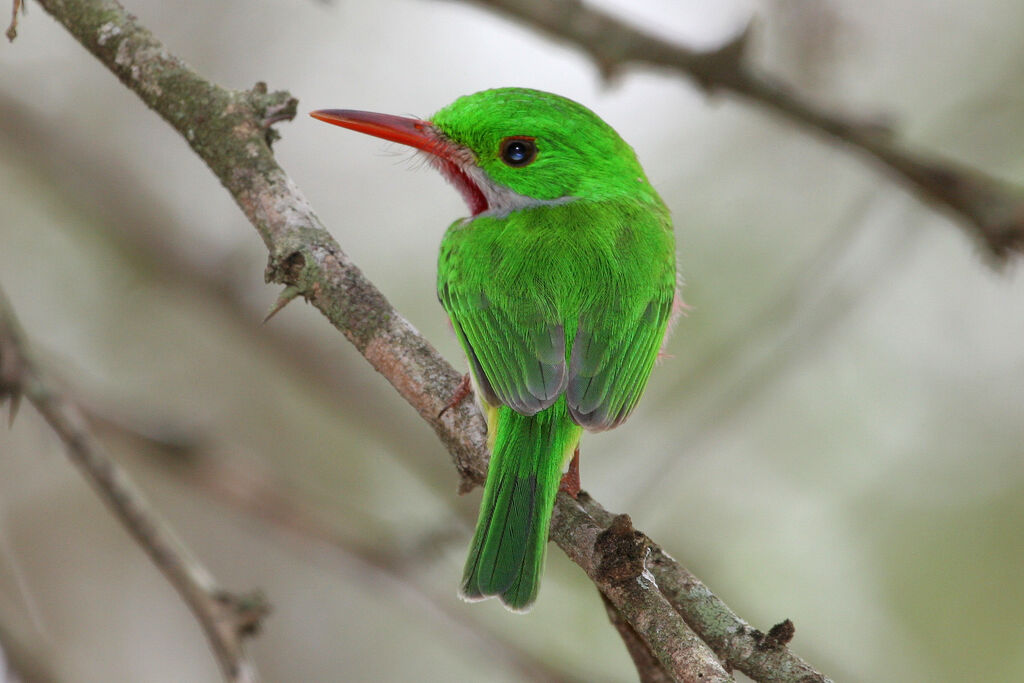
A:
(518, 151)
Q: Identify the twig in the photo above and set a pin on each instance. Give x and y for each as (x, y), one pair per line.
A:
(12, 29)
(226, 618)
(991, 209)
(225, 129)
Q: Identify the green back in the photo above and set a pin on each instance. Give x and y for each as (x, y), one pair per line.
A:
(571, 298)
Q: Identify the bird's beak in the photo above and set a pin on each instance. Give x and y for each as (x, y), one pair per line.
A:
(407, 131)
(451, 158)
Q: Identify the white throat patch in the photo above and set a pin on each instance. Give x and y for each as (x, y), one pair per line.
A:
(501, 201)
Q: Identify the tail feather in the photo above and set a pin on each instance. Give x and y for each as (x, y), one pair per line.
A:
(507, 554)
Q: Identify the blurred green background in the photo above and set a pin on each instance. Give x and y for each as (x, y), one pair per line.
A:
(837, 439)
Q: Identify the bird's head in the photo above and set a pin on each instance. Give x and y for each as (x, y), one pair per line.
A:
(513, 148)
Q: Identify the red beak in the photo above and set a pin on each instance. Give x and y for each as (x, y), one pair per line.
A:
(407, 131)
(417, 133)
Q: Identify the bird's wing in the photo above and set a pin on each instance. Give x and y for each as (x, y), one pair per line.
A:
(617, 339)
(611, 361)
(517, 357)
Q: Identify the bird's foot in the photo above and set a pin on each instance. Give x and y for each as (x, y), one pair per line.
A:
(571, 479)
(464, 389)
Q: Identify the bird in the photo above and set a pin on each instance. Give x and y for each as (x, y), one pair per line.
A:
(560, 285)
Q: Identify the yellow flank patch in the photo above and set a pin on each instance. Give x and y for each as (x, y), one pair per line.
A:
(491, 413)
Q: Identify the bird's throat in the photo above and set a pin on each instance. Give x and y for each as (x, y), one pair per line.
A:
(474, 197)
(481, 194)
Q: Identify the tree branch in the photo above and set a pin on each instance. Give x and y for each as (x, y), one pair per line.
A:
(229, 131)
(147, 234)
(990, 209)
(740, 645)
(614, 557)
(258, 494)
(226, 618)
(648, 668)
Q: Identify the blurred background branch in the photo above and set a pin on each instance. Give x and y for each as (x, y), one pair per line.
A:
(240, 483)
(990, 209)
(21, 661)
(226, 618)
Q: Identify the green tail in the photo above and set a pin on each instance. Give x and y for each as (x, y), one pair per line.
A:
(507, 554)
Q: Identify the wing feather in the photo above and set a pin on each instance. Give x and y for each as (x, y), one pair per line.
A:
(518, 361)
(611, 360)
(520, 289)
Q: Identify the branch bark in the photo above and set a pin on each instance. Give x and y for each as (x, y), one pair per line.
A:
(648, 668)
(990, 209)
(739, 645)
(226, 618)
(230, 131)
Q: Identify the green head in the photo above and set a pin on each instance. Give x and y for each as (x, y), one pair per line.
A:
(512, 148)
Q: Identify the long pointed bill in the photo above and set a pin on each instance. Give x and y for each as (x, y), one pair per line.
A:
(450, 158)
(407, 131)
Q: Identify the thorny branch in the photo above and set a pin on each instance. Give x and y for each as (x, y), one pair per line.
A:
(991, 209)
(226, 618)
(230, 131)
(118, 203)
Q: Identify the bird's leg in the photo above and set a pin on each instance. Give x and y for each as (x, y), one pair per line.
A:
(464, 389)
(571, 479)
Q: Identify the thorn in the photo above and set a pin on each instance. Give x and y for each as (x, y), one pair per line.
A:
(609, 71)
(735, 49)
(726, 61)
(12, 30)
(289, 293)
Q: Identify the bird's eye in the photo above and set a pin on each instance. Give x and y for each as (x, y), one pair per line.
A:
(518, 152)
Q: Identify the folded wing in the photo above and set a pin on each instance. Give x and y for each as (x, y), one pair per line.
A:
(517, 357)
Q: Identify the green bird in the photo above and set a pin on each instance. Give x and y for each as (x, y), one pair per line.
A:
(560, 286)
